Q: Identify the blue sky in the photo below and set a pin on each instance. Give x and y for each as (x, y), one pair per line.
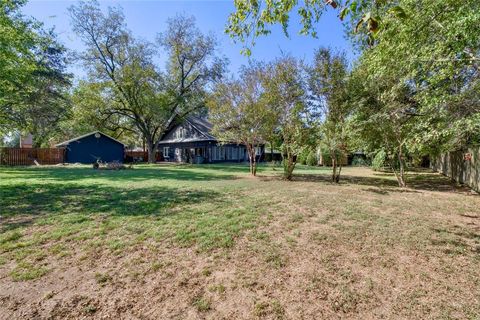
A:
(148, 17)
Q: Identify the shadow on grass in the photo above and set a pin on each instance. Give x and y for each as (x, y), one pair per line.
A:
(181, 173)
(386, 183)
(22, 204)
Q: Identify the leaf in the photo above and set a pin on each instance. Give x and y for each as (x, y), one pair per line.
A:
(343, 13)
(359, 24)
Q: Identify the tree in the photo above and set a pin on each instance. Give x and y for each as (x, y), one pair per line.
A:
(239, 114)
(420, 94)
(140, 97)
(385, 116)
(285, 93)
(327, 82)
(34, 83)
(253, 18)
(440, 64)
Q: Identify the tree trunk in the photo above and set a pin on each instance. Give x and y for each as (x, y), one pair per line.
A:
(251, 157)
(288, 166)
(151, 147)
(337, 179)
(271, 151)
(334, 167)
(401, 175)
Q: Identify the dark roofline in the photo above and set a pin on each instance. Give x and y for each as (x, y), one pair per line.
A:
(65, 143)
(196, 122)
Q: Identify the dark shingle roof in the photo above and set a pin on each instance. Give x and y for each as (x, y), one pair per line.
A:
(202, 125)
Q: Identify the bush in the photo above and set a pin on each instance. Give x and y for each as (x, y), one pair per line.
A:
(360, 161)
(302, 157)
(378, 162)
(326, 158)
(312, 159)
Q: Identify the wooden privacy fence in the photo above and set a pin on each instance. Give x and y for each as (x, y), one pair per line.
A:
(462, 166)
(27, 156)
(131, 156)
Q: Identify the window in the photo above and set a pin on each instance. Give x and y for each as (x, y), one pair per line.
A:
(180, 133)
(258, 151)
(166, 151)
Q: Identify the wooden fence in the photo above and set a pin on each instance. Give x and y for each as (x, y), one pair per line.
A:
(462, 166)
(135, 156)
(28, 156)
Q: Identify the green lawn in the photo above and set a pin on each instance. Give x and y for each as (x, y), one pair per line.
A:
(211, 241)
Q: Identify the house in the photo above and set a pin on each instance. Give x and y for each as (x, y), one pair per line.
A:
(26, 142)
(92, 147)
(190, 140)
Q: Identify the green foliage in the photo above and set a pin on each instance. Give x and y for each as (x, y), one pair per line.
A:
(378, 162)
(311, 158)
(239, 112)
(360, 161)
(302, 157)
(328, 84)
(414, 95)
(285, 92)
(326, 157)
(33, 80)
(255, 18)
(134, 95)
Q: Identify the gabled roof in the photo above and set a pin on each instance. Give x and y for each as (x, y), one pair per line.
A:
(202, 125)
(65, 143)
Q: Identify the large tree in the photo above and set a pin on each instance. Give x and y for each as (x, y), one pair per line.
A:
(385, 115)
(33, 79)
(420, 94)
(141, 98)
(285, 93)
(327, 83)
(239, 113)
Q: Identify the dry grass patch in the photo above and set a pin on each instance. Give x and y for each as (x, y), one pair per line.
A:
(210, 242)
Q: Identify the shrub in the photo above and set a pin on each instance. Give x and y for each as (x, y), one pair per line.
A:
(302, 157)
(378, 162)
(312, 159)
(360, 161)
(326, 158)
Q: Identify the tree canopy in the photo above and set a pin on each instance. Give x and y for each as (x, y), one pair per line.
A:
(34, 82)
(141, 96)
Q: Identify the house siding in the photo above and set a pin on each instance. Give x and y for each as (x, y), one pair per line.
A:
(88, 149)
(190, 141)
(208, 151)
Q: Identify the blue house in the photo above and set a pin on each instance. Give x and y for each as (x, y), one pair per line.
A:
(91, 147)
(190, 140)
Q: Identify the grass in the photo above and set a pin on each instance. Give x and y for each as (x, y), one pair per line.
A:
(211, 239)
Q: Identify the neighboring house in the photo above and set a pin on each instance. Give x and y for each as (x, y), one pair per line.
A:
(91, 147)
(26, 142)
(190, 140)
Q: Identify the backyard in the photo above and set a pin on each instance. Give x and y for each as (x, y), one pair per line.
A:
(213, 242)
